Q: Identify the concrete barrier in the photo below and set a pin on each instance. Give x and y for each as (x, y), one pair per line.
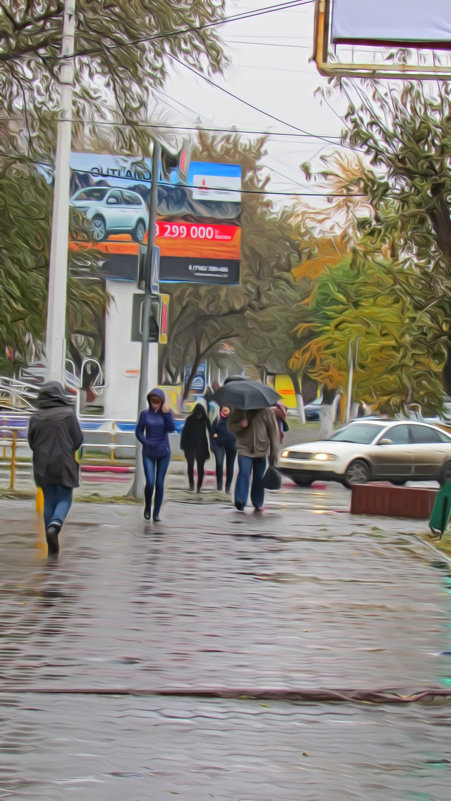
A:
(380, 498)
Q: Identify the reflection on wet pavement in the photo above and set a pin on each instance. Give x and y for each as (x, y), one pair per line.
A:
(134, 749)
(213, 598)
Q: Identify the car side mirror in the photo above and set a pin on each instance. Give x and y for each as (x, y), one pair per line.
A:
(386, 441)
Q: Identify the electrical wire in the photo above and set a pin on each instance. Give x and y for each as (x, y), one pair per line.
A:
(206, 129)
(49, 166)
(254, 107)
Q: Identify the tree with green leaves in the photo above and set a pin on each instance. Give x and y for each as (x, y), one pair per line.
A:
(123, 51)
(25, 206)
(359, 313)
(405, 133)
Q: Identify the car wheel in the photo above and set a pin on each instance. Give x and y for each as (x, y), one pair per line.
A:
(301, 482)
(398, 483)
(139, 231)
(357, 472)
(98, 228)
(445, 475)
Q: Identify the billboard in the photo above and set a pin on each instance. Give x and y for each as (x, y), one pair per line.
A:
(198, 224)
(385, 22)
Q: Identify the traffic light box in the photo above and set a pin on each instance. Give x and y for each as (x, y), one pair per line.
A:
(174, 166)
(164, 319)
(158, 321)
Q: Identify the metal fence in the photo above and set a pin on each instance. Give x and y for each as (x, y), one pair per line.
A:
(108, 447)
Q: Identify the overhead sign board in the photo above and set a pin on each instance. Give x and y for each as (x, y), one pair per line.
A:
(384, 21)
(198, 224)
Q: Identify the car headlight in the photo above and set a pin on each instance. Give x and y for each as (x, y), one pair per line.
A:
(324, 457)
(285, 454)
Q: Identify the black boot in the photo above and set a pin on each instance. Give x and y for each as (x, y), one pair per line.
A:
(52, 538)
(148, 503)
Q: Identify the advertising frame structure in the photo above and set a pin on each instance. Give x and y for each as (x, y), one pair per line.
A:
(198, 230)
(341, 23)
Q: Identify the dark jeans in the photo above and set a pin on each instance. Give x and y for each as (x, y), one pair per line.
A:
(155, 471)
(57, 502)
(229, 455)
(246, 466)
(190, 459)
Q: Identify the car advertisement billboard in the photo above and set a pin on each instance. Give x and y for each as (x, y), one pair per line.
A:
(198, 224)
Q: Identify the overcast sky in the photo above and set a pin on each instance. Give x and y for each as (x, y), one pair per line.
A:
(271, 70)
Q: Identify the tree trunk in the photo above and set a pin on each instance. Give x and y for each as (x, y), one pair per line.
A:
(328, 412)
(299, 399)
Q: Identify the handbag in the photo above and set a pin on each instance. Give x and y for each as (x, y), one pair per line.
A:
(272, 480)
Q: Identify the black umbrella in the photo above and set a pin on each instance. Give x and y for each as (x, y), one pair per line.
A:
(245, 395)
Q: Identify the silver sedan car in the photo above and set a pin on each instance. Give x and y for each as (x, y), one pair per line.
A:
(372, 450)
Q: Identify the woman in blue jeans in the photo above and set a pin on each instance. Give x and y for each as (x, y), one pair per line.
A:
(154, 425)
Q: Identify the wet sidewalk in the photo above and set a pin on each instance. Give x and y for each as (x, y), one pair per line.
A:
(115, 656)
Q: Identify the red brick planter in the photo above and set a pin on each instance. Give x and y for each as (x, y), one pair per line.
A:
(385, 499)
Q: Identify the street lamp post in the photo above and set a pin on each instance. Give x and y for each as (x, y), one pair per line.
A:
(56, 304)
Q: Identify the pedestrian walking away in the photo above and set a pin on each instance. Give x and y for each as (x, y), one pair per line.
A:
(152, 430)
(257, 435)
(54, 436)
(224, 447)
(194, 443)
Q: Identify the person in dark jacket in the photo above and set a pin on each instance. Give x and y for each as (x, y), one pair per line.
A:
(224, 446)
(153, 427)
(54, 436)
(194, 443)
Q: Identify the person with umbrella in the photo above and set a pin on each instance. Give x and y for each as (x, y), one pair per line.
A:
(257, 435)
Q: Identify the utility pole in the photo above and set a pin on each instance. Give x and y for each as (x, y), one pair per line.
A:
(138, 485)
(55, 343)
(352, 362)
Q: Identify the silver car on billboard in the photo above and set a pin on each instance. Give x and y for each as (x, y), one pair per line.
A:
(112, 211)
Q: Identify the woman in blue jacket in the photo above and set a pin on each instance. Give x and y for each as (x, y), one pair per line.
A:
(152, 430)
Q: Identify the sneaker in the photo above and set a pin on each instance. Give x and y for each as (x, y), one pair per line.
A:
(259, 508)
(52, 538)
(156, 519)
(239, 506)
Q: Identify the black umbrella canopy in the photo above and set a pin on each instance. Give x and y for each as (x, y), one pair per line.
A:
(245, 395)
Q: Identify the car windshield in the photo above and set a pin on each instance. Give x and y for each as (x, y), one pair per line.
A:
(94, 193)
(360, 433)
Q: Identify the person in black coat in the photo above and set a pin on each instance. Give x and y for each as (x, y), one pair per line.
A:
(224, 446)
(194, 443)
(54, 436)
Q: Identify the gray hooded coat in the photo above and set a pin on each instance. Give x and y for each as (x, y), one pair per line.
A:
(54, 436)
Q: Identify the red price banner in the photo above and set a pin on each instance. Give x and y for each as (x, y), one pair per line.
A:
(187, 230)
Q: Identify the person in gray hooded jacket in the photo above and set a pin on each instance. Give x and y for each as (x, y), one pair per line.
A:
(54, 435)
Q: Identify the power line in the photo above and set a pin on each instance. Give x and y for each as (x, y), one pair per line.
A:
(206, 129)
(49, 166)
(251, 105)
